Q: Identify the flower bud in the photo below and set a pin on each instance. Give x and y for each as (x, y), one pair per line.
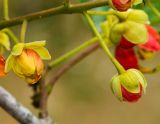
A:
(26, 60)
(121, 5)
(129, 85)
(2, 66)
(28, 65)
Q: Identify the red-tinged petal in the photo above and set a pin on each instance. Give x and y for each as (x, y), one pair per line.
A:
(131, 97)
(152, 44)
(124, 43)
(37, 60)
(126, 57)
(122, 5)
(2, 66)
(153, 32)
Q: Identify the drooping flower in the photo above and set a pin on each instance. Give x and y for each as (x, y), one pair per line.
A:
(2, 66)
(28, 65)
(129, 86)
(26, 60)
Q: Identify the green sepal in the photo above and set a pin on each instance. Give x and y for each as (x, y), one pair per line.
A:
(17, 49)
(140, 77)
(116, 87)
(8, 64)
(130, 82)
(4, 40)
(116, 32)
(35, 44)
(135, 32)
(38, 46)
(43, 53)
(138, 16)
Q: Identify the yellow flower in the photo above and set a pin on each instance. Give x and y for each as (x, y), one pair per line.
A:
(26, 60)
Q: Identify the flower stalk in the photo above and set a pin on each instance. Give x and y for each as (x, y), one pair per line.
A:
(23, 31)
(6, 13)
(118, 66)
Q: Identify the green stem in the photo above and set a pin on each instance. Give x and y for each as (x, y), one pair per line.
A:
(11, 35)
(6, 13)
(118, 66)
(100, 13)
(23, 31)
(72, 52)
(153, 8)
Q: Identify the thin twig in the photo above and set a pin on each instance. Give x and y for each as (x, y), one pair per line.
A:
(43, 102)
(45, 91)
(76, 8)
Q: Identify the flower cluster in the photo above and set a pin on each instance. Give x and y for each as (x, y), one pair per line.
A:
(127, 30)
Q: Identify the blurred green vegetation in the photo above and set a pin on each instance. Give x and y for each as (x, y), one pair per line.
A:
(82, 95)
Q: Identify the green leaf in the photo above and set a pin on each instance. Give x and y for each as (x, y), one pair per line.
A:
(35, 44)
(4, 40)
(43, 53)
(17, 49)
(8, 64)
(135, 32)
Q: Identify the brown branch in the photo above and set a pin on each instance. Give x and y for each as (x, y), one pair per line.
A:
(76, 8)
(60, 72)
(45, 91)
(69, 65)
(43, 94)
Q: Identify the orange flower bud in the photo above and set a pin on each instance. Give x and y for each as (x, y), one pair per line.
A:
(2, 66)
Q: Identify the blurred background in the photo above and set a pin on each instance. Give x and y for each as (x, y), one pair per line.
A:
(82, 95)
